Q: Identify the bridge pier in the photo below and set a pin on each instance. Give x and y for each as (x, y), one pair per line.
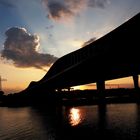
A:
(136, 81)
(101, 89)
(100, 86)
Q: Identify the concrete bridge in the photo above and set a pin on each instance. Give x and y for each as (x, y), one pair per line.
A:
(115, 55)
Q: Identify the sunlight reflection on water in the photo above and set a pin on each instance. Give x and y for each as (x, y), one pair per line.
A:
(114, 121)
(74, 116)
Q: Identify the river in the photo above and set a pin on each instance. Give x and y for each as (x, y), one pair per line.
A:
(112, 121)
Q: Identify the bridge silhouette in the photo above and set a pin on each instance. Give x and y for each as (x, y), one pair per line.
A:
(112, 56)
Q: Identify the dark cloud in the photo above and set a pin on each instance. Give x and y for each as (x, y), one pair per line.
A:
(98, 3)
(89, 41)
(58, 10)
(6, 3)
(22, 48)
(64, 9)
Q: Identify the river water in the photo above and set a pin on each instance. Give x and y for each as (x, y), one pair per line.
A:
(112, 121)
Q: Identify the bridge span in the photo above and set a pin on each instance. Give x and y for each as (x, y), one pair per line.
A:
(114, 55)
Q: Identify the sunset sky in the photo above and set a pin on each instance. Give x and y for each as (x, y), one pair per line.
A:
(35, 33)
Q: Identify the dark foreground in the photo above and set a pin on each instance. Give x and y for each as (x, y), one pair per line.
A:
(87, 115)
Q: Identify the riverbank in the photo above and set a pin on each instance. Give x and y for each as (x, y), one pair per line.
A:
(69, 98)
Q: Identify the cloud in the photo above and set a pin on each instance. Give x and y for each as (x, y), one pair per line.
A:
(22, 48)
(6, 3)
(58, 10)
(66, 9)
(50, 27)
(98, 3)
(89, 41)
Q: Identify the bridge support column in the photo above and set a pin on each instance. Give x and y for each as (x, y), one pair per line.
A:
(100, 86)
(136, 81)
(100, 90)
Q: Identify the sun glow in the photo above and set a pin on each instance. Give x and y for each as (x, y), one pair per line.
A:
(77, 43)
(126, 82)
(18, 78)
(83, 87)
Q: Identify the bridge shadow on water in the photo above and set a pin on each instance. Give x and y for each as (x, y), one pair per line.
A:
(115, 117)
(97, 122)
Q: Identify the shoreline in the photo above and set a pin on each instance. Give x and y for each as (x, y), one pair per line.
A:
(72, 98)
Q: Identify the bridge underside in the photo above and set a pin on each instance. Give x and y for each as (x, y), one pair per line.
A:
(83, 74)
(115, 55)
